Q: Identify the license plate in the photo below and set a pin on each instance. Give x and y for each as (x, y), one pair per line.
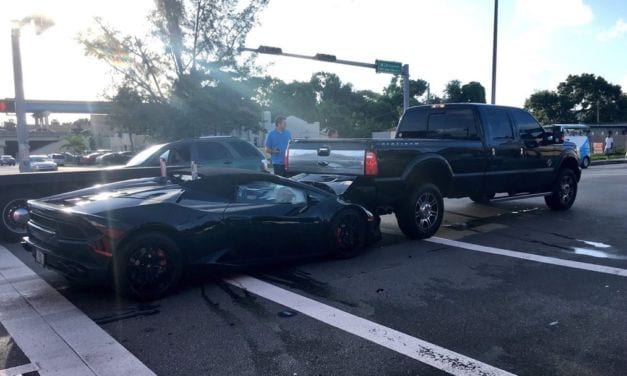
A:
(40, 257)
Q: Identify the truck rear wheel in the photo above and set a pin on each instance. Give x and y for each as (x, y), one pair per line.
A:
(421, 213)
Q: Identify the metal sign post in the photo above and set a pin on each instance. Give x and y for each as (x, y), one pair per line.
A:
(380, 66)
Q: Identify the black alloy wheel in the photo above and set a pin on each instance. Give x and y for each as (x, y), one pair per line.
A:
(348, 233)
(421, 214)
(564, 191)
(148, 266)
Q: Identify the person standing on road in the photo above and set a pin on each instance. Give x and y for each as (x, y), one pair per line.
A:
(276, 145)
(332, 133)
(609, 144)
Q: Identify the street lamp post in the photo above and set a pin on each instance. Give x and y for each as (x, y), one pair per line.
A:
(23, 147)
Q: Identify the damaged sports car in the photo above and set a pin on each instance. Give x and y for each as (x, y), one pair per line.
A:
(143, 234)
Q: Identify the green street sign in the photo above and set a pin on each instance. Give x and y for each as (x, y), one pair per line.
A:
(393, 67)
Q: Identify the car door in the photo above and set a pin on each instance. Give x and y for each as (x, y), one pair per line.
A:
(503, 172)
(539, 158)
(272, 221)
(203, 227)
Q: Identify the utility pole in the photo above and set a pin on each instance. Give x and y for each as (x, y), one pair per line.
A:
(405, 76)
(23, 147)
(494, 42)
(380, 66)
(22, 131)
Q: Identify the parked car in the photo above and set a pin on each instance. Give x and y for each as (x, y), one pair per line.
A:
(7, 160)
(109, 159)
(215, 151)
(42, 163)
(57, 158)
(578, 135)
(90, 159)
(144, 234)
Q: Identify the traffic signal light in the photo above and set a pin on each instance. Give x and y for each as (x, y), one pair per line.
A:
(325, 57)
(270, 50)
(7, 105)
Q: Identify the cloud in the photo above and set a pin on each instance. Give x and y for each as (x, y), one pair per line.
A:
(617, 31)
(555, 14)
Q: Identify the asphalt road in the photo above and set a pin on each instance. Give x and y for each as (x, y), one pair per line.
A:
(556, 307)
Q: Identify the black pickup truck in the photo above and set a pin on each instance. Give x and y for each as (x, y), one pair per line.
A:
(484, 152)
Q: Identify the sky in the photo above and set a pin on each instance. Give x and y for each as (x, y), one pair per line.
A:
(540, 42)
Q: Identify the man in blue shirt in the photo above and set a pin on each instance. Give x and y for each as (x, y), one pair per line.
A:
(276, 145)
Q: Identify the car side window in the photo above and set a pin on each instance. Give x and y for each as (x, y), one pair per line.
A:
(265, 192)
(528, 127)
(179, 155)
(211, 151)
(500, 125)
(245, 149)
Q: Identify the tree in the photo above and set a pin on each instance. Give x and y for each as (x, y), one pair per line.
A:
(585, 98)
(473, 92)
(199, 70)
(549, 108)
(75, 143)
(453, 92)
(470, 92)
(594, 100)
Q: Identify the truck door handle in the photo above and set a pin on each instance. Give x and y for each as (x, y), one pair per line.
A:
(324, 151)
(323, 163)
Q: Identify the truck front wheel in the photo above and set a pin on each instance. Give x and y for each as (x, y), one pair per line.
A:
(421, 213)
(564, 191)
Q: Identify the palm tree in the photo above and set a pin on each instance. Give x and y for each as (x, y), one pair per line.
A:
(75, 143)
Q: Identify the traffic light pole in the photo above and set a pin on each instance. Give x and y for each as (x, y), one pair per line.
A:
(23, 147)
(380, 66)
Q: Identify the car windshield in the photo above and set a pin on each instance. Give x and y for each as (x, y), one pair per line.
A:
(39, 159)
(142, 156)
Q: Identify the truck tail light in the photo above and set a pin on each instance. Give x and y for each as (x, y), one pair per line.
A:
(371, 164)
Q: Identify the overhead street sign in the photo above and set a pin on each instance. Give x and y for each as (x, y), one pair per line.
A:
(383, 66)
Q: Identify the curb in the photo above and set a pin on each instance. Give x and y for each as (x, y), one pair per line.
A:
(607, 161)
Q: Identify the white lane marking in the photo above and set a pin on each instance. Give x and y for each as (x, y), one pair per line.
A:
(52, 332)
(531, 257)
(425, 352)
(19, 370)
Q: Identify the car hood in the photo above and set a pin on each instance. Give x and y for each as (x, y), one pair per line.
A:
(113, 196)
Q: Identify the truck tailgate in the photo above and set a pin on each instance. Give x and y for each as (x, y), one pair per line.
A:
(327, 157)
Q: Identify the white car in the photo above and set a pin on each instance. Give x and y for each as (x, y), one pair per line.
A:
(42, 163)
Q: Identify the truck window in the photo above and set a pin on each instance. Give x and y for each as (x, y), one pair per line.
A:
(413, 124)
(454, 124)
(500, 124)
(528, 127)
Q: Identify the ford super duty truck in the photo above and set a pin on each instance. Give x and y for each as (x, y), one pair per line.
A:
(484, 152)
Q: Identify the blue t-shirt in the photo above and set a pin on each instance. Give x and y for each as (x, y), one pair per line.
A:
(279, 140)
